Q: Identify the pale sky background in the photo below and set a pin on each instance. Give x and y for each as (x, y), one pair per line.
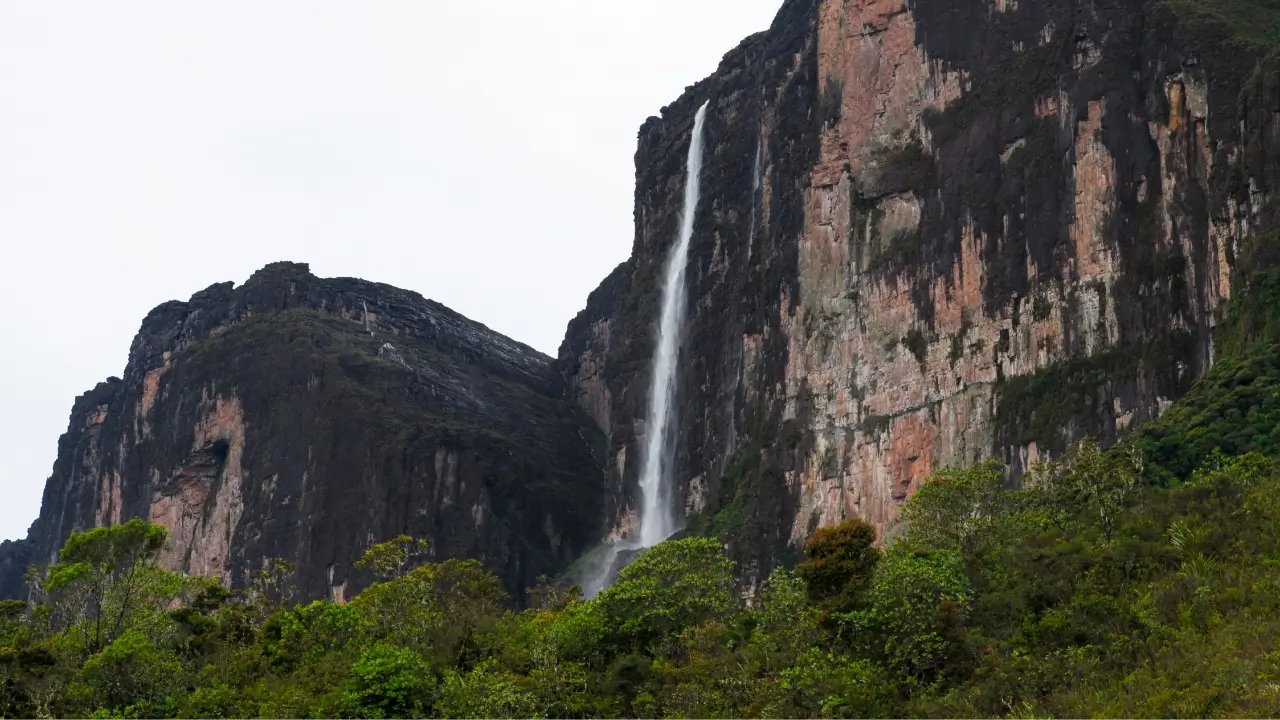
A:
(479, 152)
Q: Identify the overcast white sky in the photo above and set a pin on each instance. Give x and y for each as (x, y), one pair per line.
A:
(480, 153)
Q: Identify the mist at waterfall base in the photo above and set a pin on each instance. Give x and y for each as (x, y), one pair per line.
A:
(658, 519)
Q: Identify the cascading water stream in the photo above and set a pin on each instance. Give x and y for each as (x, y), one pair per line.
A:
(756, 179)
(657, 517)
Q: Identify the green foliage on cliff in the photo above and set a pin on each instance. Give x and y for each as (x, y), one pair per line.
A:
(1040, 406)
(1252, 22)
(1235, 408)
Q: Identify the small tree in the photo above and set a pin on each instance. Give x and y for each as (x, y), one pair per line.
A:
(132, 672)
(823, 683)
(914, 609)
(389, 682)
(397, 600)
(546, 596)
(391, 559)
(436, 609)
(675, 585)
(102, 577)
(485, 691)
(271, 588)
(957, 509)
(840, 562)
(1087, 477)
(785, 623)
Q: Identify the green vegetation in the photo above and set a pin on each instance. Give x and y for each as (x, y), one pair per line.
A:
(1253, 23)
(1041, 404)
(1235, 408)
(1143, 580)
(740, 485)
(1138, 581)
(1092, 590)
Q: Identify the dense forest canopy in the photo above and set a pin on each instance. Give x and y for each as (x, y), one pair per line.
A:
(1088, 590)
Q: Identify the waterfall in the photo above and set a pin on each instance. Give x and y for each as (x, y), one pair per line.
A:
(657, 517)
(756, 181)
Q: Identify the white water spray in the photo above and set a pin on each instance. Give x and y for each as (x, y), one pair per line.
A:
(657, 517)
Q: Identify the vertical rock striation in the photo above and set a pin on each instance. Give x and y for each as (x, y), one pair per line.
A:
(975, 228)
(306, 419)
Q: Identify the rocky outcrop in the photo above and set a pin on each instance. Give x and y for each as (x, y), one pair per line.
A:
(305, 419)
(15, 557)
(932, 231)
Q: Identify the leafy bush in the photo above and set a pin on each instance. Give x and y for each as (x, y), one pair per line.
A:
(675, 585)
(132, 672)
(389, 682)
(840, 561)
(916, 606)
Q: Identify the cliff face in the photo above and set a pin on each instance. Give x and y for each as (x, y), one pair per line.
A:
(931, 232)
(306, 419)
(15, 557)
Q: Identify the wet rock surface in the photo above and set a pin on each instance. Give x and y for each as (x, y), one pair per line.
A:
(15, 557)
